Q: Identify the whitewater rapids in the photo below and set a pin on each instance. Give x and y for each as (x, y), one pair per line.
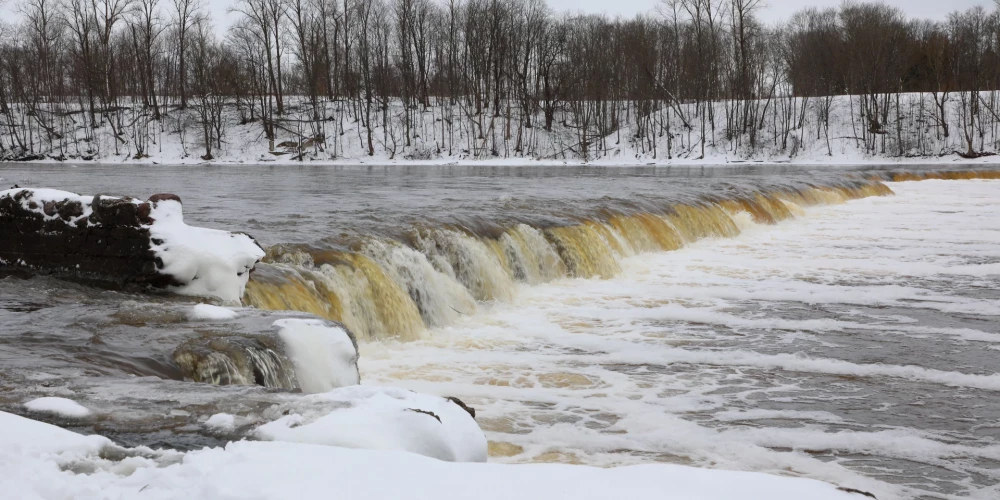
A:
(854, 344)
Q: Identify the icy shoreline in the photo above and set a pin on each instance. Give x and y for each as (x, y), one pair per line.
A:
(711, 162)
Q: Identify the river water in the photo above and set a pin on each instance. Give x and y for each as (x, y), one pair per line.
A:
(776, 319)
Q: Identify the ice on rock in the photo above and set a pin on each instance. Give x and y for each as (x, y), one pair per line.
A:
(381, 418)
(210, 262)
(324, 354)
(221, 422)
(61, 407)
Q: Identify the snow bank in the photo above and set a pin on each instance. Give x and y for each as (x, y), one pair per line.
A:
(209, 262)
(21, 436)
(32, 453)
(381, 418)
(58, 406)
(207, 312)
(324, 354)
(465, 141)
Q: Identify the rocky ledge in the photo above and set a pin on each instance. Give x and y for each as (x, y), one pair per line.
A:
(122, 240)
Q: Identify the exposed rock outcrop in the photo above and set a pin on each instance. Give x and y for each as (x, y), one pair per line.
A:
(122, 240)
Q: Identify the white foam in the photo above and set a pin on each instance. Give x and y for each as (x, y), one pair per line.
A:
(761, 414)
(803, 363)
(58, 406)
(752, 353)
(323, 355)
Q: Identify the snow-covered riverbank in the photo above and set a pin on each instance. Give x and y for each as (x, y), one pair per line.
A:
(41, 461)
(815, 131)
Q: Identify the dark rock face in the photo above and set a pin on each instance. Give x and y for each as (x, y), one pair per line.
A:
(470, 410)
(165, 196)
(111, 244)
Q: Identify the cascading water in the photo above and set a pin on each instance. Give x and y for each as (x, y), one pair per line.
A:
(830, 346)
(386, 288)
(236, 360)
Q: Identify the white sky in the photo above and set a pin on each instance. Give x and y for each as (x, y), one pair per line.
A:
(775, 10)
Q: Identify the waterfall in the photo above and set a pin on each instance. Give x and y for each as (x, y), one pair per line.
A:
(390, 289)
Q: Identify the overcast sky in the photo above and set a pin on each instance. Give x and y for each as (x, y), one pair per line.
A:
(775, 10)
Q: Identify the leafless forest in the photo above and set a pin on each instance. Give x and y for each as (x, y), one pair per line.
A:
(426, 79)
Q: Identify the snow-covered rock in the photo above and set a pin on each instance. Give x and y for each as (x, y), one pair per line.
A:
(123, 240)
(382, 418)
(221, 422)
(325, 355)
(207, 262)
(61, 407)
(208, 312)
(310, 354)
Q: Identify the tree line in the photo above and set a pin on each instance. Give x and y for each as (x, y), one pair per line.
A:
(487, 77)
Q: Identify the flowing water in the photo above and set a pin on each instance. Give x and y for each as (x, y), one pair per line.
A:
(775, 318)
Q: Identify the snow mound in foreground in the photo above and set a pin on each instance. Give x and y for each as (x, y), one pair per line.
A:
(21, 436)
(324, 354)
(381, 418)
(209, 262)
(58, 406)
(32, 453)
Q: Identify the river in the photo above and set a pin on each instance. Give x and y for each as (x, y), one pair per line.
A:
(792, 320)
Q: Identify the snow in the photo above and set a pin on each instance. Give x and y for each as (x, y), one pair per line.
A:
(323, 354)
(381, 418)
(208, 312)
(34, 456)
(430, 145)
(221, 422)
(58, 406)
(211, 263)
(23, 436)
(41, 196)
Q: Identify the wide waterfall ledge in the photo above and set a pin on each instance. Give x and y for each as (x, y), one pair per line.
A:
(38, 460)
(123, 240)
